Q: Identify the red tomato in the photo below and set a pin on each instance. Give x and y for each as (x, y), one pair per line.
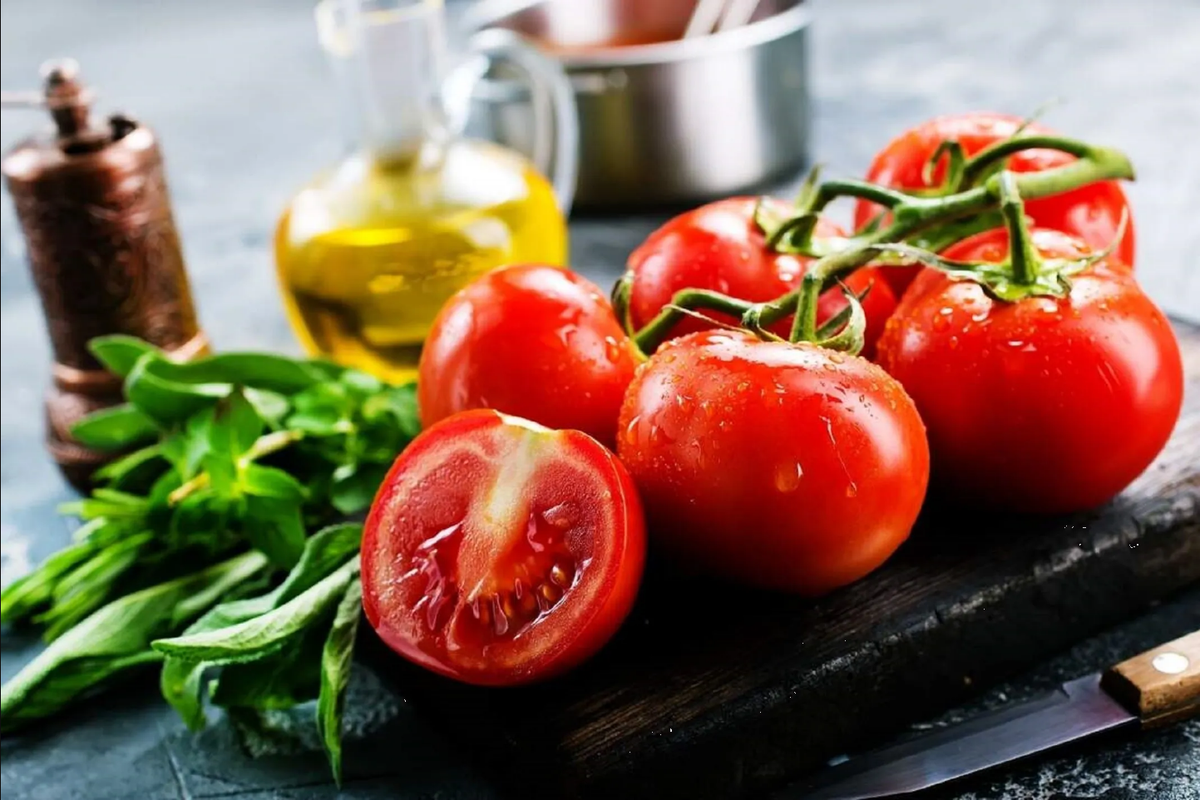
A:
(783, 466)
(1091, 212)
(530, 340)
(500, 552)
(1045, 404)
(719, 247)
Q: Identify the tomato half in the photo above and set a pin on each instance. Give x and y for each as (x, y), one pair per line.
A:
(500, 552)
(1092, 213)
(719, 247)
(783, 466)
(530, 340)
(1042, 405)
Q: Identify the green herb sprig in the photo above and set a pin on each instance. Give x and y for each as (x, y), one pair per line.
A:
(201, 528)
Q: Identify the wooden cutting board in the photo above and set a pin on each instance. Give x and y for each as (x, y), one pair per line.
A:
(715, 692)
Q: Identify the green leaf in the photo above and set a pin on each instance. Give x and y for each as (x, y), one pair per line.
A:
(271, 482)
(286, 677)
(186, 448)
(236, 425)
(336, 658)
(325, 551)
(114, 428)
(119, 353)
(272, 407)
(86, 588)
(273, 373)
(400, 402)
(222, 472)
(151, 387)
(265, 634)
(181, 680)
(119, 471)
(25, 595)
(354, 488)
(275, 527)
(114, 639)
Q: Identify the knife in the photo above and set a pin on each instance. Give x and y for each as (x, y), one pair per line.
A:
(1157, 687)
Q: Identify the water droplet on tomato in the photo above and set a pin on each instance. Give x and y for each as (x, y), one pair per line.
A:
(787, 477)
(613, 349)
(946, 311)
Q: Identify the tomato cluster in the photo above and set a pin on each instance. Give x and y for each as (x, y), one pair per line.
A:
(1023, 370)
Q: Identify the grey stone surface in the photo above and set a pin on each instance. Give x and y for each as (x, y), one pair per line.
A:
(240, 95)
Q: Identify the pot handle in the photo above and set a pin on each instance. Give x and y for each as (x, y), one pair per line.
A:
(555, 119)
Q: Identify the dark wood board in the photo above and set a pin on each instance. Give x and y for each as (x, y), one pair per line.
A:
(714, 692)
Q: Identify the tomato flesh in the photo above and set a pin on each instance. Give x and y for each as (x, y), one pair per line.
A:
(1043, 405)
(500, 552)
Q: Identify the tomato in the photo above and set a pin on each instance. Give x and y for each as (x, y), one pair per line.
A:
(785, 466)
(1092, 213)
(1045, 404)
(500, 552)
(530, 340)
(719, 247)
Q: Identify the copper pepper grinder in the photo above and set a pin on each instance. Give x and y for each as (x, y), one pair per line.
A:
(92, 202)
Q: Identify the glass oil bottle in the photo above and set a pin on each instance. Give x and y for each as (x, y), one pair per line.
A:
(372, 247)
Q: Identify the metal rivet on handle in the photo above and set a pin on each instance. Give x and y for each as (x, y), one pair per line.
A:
(1170, 663)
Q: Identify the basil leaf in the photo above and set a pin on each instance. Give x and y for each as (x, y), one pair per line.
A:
(114, 428)
(118, 352)
(21, 598)
(265, 634)
(181, 680)
(114, 639)
(336, 658)
(85, 589)
(236, 426)
(275, 527)
(282, 679)
(324, 552)
(150, 387)
(272, 407)
(119, 472)
(354, 489)
(268, 371)
(270, 482)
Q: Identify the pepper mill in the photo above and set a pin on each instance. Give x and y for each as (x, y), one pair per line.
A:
(92, 202)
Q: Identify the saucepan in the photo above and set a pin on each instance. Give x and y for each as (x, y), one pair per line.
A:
(663, 119)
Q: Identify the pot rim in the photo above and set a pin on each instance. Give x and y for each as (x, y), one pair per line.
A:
(774, 27)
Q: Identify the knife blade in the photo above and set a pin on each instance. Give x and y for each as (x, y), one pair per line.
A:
(1159, 686)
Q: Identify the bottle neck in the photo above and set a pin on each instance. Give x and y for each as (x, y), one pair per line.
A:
(388, 59)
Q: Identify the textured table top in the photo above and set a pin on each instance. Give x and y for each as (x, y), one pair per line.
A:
(241, 98)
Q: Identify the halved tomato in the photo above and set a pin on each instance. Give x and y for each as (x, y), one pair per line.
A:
(500, 552)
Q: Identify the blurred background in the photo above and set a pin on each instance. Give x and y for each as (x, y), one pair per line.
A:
(244, 102)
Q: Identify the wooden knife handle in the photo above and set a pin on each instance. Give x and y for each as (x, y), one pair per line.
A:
(1161, 685)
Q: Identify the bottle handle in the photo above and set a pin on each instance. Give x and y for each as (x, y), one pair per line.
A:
(555, 119)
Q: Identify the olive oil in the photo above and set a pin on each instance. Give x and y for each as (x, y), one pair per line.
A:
(368, 253)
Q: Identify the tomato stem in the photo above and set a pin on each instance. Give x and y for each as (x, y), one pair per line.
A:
(658, 329)
(1023, 256)
(977, 167)
(949, 218)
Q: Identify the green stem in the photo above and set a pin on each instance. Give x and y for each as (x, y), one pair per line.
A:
(910, 215)
(1024, 258)
(263, 446)
(978, 165)
(658, 329)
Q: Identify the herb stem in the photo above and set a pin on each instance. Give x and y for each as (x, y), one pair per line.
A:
(263, 446)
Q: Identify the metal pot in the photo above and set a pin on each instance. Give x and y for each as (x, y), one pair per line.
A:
(666, 122)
